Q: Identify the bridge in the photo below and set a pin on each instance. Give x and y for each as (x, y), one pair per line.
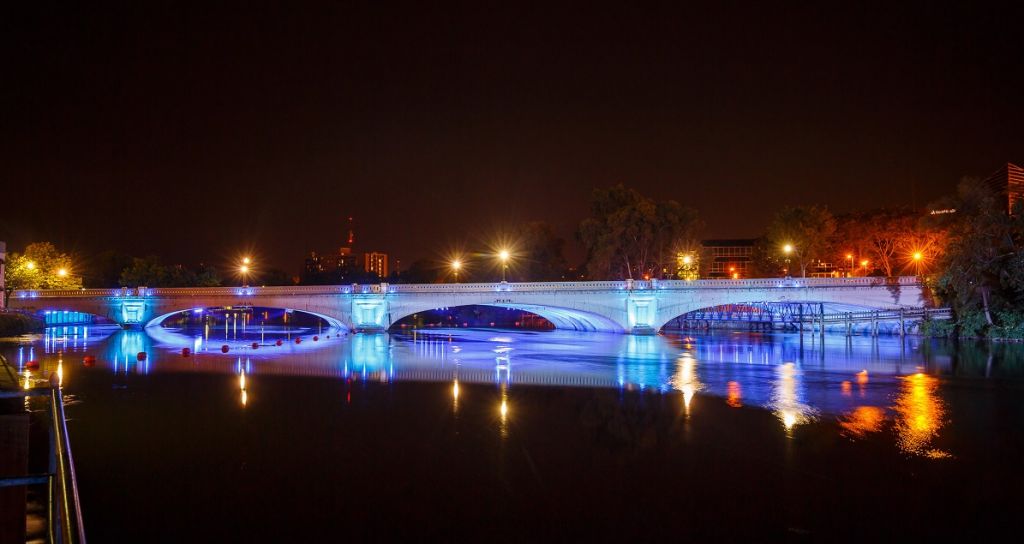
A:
(638, 307)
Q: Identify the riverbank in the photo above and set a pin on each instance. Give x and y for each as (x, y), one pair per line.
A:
(15, 324)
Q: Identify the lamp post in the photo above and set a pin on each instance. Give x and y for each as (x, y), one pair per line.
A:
(503, 255)
(456, 266)
(787, 249)
(243, 269)
(918, 257)
(849, 257)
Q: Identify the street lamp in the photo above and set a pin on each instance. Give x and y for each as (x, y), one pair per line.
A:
(849, 257)
(456, 266)
(62, 272)
(787, 249)
(31, 265)
(864, 264)
(244, 270)
(917, 262)
(503, 255)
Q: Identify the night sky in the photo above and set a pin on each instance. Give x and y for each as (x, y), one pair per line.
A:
(196, 132)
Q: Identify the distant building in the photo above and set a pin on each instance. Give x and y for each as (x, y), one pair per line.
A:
(377, 263)
(728, 258)
(1008, 182)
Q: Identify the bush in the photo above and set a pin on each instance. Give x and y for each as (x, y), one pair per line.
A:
(1010, 325)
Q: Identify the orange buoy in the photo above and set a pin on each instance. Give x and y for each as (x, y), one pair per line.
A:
(32, 365)
(278, 343)
(224, 348)
(255, 345)
(141, 356)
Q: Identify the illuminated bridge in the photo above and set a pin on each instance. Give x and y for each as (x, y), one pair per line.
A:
(640, 307)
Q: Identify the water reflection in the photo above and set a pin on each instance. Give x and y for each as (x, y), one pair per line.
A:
(786, 402)
(920, 414)
(864, 384)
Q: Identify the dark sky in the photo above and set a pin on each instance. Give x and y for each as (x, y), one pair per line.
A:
(195, 132)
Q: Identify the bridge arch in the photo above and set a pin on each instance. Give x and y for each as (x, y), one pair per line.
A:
(562, 318)
(158, 320)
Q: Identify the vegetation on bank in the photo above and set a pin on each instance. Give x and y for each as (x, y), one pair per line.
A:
(15, 324)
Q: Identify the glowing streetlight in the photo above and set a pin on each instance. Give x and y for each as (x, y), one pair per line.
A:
(456, 266)
(244, 271)
(687, 260)
(503, 255)
(246, 260)
(918, 256)
(62, 272)
(787, 249)
(31, 265)
(849, 257)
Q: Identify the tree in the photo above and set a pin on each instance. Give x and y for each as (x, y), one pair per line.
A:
(540, 253)
(631, 235)
(151, 272)
(147, 271)
(983, 266)
(806, 230)
(40, 267)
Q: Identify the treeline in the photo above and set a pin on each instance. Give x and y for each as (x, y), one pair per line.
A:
(969, 254)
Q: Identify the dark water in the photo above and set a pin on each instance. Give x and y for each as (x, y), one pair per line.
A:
(498, 435)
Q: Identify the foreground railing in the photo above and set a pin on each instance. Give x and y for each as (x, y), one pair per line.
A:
(63, 511)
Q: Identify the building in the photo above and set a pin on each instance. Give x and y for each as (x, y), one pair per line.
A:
(1008, 182)
(377, 263)
(727, 258)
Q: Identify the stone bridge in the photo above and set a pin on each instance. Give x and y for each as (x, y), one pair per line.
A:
(640, 307)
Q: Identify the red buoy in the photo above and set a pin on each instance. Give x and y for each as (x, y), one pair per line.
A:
(32, 365)
(255, 345)
(141, 356)
(89, 361)
(185, 352)
(316, 338)
(278, 343)
(224, 348)
(298, 340)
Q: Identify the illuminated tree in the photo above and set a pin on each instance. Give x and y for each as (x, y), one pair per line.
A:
(805, 230)
(41, 266)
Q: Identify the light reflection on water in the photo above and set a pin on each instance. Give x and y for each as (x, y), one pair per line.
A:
(866, 385)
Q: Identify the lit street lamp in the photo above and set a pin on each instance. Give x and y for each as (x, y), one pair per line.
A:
(787, 249)
(31, 265)
(456, 266)
(62, 272)
(849, 257)
(503, 255)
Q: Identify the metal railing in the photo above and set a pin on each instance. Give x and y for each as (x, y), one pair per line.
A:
(64, 511)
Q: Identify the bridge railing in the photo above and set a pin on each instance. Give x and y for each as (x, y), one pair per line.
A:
(379, 288)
